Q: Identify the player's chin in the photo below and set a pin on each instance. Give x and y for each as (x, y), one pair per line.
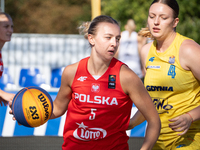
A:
(109, 58)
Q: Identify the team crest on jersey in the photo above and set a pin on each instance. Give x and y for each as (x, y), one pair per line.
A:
(86, 134)
(82, 78)
(112, 81)
(95, 87)
(172, 59)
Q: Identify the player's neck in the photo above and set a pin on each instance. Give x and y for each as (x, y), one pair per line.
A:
(162, 45)
(96, 67)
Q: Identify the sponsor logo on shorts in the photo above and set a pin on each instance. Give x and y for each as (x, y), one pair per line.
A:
(181, 145)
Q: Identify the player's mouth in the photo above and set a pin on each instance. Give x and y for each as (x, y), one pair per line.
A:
(111, 51)
(156, 29)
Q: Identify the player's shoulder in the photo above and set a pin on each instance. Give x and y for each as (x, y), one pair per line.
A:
(189, 48)
(70, 70)
(145, 49)
(128, 79)
(144, 52)
(189, 44)
(126, 74)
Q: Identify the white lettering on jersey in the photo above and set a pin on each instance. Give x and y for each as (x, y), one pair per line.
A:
(97, 99)
(82, 78)
(114, 101)
(86, 134)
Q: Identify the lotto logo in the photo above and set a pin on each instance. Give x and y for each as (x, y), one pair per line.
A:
(86, 134)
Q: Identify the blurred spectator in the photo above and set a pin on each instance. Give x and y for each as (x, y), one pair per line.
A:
(129, 48)
(6, 30)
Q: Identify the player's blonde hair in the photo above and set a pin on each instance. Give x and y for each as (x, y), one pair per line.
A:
(91, 27)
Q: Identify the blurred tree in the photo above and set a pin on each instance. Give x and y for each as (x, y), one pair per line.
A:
(122, 10)
(48, 16)
(189, 19)
(64, 16)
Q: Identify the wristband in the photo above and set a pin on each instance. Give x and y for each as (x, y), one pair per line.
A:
(190, 116)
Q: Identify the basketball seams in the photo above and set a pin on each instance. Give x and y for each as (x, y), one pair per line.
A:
(38, 105)
(32, 106)
(14, 100)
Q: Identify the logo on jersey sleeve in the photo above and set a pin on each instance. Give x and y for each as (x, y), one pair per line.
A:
(86, 134)
(95, 87)
(82, 78)
(112, 81)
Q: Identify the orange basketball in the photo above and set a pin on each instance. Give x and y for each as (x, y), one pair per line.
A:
(32, 106)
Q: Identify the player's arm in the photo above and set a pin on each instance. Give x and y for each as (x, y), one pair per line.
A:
(64, 95)
(191, 54)
(137, 119)
(133, 86)
(143, 55)
(189, 59)
(5, 97)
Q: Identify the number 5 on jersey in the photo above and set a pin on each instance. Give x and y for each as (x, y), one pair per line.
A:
(93, 114)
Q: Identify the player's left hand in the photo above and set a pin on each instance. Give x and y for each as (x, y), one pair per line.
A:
(181, 123)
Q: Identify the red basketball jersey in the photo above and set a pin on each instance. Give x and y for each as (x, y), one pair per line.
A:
(99, 111)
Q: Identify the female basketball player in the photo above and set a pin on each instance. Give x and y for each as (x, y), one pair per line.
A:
(6, 30)
(172, 78)
(98, 92)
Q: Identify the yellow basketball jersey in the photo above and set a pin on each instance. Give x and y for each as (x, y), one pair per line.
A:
(174, 91)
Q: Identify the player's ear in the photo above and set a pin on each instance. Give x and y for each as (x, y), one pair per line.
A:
(176, 20)
(91, 39)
